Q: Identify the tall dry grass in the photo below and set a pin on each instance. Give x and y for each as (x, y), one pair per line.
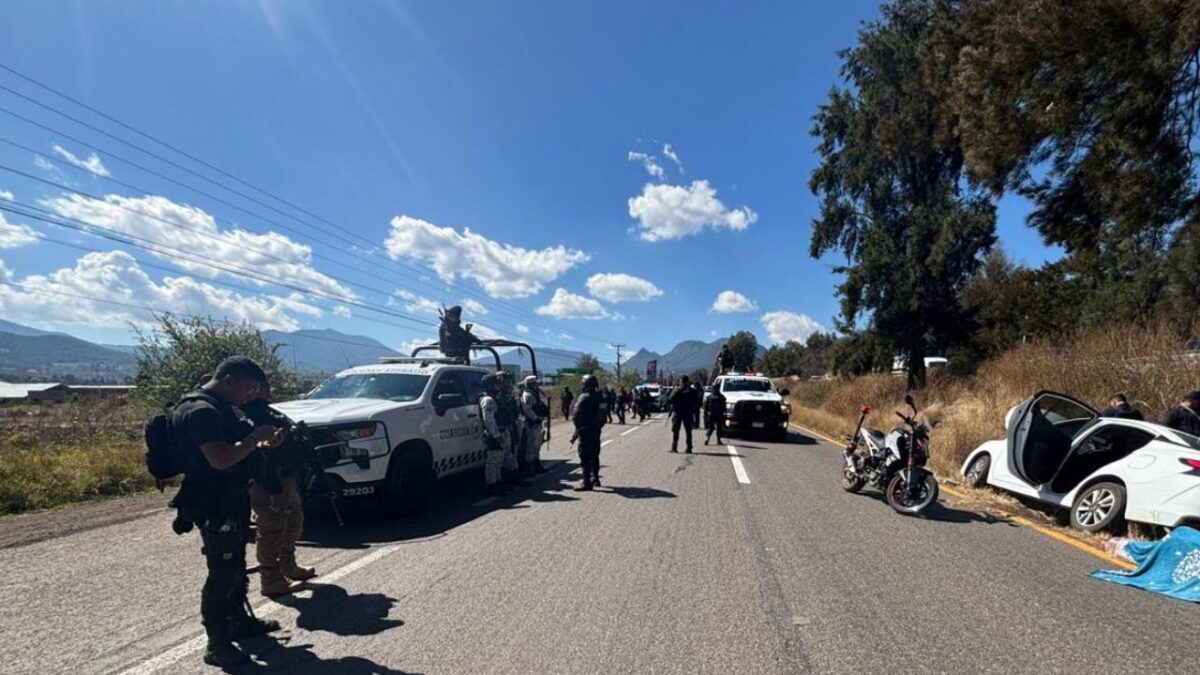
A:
(1147, 364)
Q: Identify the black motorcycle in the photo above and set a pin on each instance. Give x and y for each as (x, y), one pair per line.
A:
(893, 463)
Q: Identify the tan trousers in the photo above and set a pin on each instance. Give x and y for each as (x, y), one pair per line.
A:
(280, 520)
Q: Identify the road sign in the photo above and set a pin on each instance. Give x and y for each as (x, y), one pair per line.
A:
(574, 371)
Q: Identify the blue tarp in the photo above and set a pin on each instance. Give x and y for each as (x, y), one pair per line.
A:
(1170, 567)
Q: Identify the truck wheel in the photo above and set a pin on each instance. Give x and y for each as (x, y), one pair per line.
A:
(410, 485)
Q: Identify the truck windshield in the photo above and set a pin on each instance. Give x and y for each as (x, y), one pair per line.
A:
(747, 385)
(387, 386)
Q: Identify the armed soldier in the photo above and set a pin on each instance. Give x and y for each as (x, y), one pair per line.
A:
(589, 420)
(683, 406)
(623, 401)
(215, 497)
(535, 413)
(714, 414)
(278, 509)
(725, 361)
(508, 418)
(496, 438)
(454, 340)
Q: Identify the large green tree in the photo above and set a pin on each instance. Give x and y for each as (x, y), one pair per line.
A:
(1089, 109)
(891, 183)
(744, 347)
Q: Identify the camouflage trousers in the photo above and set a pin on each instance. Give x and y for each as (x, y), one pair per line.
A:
(533, 443)
(280, 520)
(494, 460)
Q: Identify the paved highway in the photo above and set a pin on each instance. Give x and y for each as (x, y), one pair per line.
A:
(745, 558)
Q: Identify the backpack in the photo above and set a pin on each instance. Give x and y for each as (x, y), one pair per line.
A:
(164, 458)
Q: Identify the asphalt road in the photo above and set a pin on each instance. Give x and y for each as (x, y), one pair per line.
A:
(680, 564)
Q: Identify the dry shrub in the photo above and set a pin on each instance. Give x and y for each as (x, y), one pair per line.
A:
(1147, 364)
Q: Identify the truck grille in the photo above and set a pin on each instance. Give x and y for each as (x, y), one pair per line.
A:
(756, 411)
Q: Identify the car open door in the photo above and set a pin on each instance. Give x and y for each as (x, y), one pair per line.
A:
(1041, 432)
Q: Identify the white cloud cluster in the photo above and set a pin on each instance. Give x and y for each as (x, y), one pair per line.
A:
(502, 270)
(784, 326)
(474, 307)
(193, 230)
(116, 276)
(522, 328)
(730, 302)
(91, 163)
(567, 305)
(674, 211)
(622, 288)
(649, 163)
(13, 235)
(669, 153)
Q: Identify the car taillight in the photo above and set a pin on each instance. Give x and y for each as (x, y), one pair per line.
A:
(1193, 464)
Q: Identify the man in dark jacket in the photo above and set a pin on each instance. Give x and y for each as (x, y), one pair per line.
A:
(1185, 417)
(683, 412)
(209, 432)
(566, 399)
(725, 359)
(1118, 406)
(453, 339)
(589, 419)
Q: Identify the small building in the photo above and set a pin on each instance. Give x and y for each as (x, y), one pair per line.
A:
(33, 391)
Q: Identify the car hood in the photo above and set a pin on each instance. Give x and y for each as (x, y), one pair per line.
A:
(319, 411)
(764, 396)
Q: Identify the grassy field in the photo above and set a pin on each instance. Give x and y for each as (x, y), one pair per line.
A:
(59, 453)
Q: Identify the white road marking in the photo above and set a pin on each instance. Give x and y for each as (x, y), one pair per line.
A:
(265, 608)
(737, 465)
(626, 433)
(606, 442)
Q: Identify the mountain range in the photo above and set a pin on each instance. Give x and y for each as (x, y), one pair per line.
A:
(685, 358)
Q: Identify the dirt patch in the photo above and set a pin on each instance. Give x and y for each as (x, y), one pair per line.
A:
(25, 529)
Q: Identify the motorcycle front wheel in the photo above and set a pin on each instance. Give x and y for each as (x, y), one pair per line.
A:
(925, 492)
(851, 481)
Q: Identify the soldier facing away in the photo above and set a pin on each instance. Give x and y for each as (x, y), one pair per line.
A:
(589, 419)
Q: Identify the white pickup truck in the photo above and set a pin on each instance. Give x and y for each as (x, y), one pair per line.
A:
(753, 404)
(389, 431)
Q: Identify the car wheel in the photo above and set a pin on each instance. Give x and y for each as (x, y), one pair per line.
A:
(410, 485)
(1099, 507)
(977, 473)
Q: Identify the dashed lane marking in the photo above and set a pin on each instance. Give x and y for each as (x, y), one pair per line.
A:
(266, 608)
(738, 468)
(630, 431)
(1025, 522)
(606, 442)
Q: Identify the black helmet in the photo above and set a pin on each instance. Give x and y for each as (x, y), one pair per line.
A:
(454, 311)
(589, 383)
(490, 381)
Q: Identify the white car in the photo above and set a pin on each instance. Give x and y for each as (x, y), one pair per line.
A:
(1106, 470)
(753, 404)
(389, 431)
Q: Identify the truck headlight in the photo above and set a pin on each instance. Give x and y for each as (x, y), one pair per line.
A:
(363, 441)
(785, 408)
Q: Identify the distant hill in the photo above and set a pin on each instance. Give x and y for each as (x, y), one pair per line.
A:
(549, 360)
(327, 350)
(53, 356)
(18, 329)
(683, 359)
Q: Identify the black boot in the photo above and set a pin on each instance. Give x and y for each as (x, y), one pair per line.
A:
(596, 480)
(224, 654)
(250, 626)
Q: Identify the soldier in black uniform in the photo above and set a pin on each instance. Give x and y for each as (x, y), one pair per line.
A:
(1185, 417)
(589, 420)
(714, 414)
(725, 360)
(623, 402)
(683, 405)
(566, 399)
(222, 459)
(453, 339)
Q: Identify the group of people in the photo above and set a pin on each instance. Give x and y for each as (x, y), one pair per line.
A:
(1185, 416)
(514, 429)
(688, 405)
(618, 403)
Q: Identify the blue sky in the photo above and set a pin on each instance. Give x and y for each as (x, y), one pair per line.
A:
(470, 150)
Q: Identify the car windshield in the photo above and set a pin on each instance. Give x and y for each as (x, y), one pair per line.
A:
(747, 385)
(387, 386)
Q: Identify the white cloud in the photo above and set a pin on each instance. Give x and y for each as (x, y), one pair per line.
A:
(13, 235)
(622, 288)
(784, 326)
(522, 328)
(675, 211)
(91, 164)
(193, 230)
(342, 311)
(502, 270)
(669, 153)
(472, 306)
(729, 302)
(566, 337)
(116, 276)
(566, 305)
(648, 162)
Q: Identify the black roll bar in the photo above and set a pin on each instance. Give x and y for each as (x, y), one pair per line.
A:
(488, 346)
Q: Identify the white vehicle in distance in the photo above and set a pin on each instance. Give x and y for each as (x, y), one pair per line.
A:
(1106, 470)
(753, 404)
(387, 432)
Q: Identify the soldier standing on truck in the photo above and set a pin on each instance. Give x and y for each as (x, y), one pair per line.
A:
(496, 439)
(453, 339)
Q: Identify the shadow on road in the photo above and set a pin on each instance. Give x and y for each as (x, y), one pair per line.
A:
(459, 500)
(944, 514)
(637, 492)
(275, 655)
(331, 609)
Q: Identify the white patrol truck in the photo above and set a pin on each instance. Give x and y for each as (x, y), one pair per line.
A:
(753, 404)
(389, 431)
